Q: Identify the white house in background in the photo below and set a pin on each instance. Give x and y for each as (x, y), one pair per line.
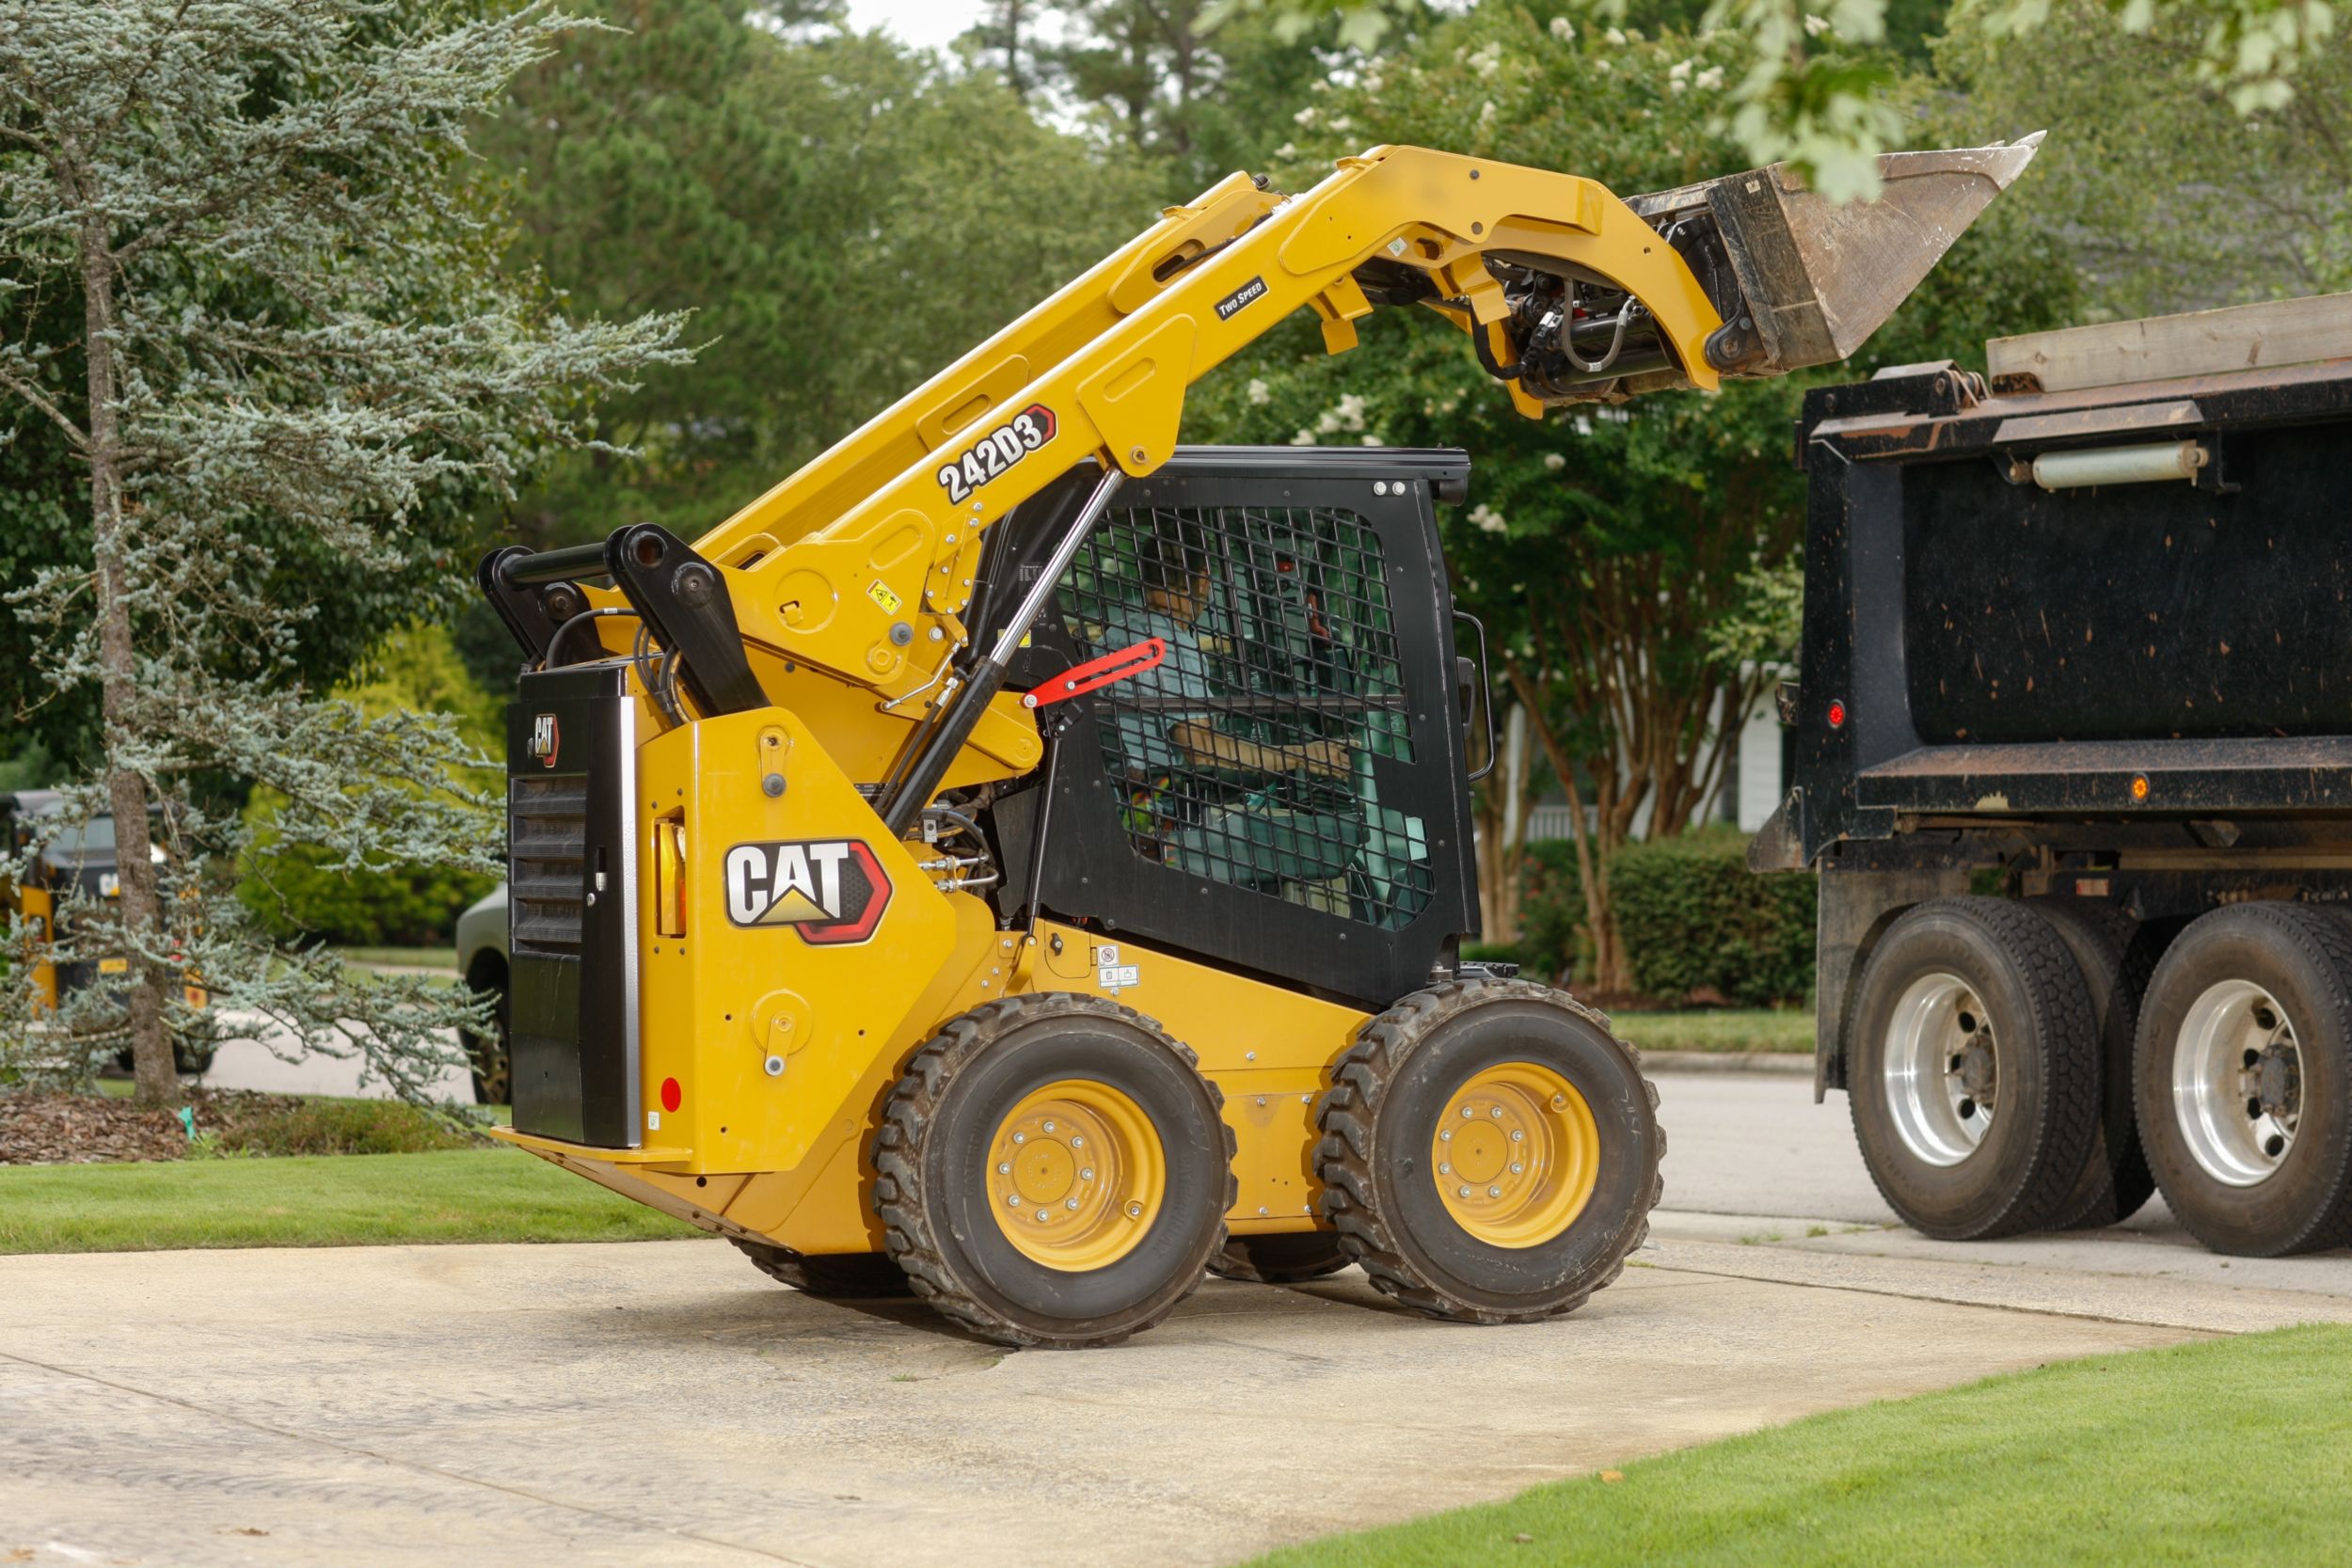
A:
(1753, 784)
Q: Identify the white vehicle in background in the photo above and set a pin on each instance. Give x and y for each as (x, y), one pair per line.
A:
(482, 964)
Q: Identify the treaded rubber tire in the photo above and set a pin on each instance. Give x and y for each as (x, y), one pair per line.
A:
(848, 1277)
(2045, 1044)
(1405, 1241)
(2303, 957)
(2116, 958)
(955, 1255)
(1286, 1257)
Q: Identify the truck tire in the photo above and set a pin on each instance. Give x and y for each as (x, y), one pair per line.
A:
(1055, 1171)
(1288, 1258)
(849, 1277)
(1490, 1152)
(2244, 1079)
(1975, 1083)
(2116, 960)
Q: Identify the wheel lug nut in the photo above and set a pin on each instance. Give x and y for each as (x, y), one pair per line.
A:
(1494, 1192)
(1466, 1191)
(1071, 1205)
(1446, 1136)
(1049, 1126)
(1467, 1112)
(1445, 1171)
(1012, 1201)
(1518, 1136)
(1517, 1168)
(1004, 1167)
(1496, 1112)
(1020, 1137)
(1040, 1216)
(1087, 1174)
(1135, 1211)
(1077, 1143)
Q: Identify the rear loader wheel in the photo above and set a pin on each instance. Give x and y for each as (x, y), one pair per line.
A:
(1290, 1258)
(848, 1277)
(1975, 1076)
(1490, 1152)
(1055, 1171)
(2244, 1079)
(2116, 958)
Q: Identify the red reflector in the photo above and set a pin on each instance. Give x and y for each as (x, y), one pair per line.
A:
(1836, 714)
(669, 1094)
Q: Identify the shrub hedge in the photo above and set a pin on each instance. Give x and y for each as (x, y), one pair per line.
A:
(1692, 917)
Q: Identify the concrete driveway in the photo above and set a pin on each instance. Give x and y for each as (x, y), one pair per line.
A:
(662, 1403)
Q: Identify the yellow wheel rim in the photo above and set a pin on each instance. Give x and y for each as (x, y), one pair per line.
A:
(1516, 1154)
(1075, 1175)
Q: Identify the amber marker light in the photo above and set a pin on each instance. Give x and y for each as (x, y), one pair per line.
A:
(2140, 786)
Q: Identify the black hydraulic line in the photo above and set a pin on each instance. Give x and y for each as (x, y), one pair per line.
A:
(987, 678)
(555, 643)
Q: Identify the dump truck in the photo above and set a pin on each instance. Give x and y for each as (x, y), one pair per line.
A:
(2074, 763)
(1024, 861)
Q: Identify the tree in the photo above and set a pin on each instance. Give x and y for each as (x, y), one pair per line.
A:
(295, 342)
(1608, 545)
(844, 217)
(1808, 86)
(2167, 192)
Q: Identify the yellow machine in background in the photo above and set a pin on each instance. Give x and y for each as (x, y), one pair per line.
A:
(1025, 861)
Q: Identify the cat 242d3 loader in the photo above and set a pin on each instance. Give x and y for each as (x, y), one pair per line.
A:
(1023, 860)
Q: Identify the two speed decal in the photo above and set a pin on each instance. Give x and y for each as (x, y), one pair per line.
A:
(998, 450)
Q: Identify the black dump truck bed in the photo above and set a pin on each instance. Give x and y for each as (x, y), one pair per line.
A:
(2076, 705)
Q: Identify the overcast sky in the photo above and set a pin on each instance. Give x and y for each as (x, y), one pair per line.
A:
(929, 23)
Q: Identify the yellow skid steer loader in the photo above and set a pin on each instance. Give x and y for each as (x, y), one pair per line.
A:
(1023, 860)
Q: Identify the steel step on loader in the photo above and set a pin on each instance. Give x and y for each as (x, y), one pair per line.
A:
(1023, 860)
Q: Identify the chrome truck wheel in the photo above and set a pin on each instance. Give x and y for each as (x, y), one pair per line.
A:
(1974, 1069)
(2237, 1083)
(1942, 1069)
(2242, 1076)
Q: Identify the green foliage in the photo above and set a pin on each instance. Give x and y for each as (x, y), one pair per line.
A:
(844, 217)
(302, 891)
(319, 1125)
(2166, 194)
(1695, 919)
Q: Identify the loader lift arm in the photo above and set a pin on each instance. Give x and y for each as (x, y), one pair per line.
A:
(861, 565)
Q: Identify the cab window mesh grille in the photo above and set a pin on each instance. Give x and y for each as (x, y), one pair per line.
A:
(1248, 755)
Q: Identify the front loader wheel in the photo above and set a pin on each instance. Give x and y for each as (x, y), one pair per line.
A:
(842, 1277)
(1490, 1152)
(1053, 1171)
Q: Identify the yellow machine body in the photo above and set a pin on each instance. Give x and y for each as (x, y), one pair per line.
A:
(763, 1080)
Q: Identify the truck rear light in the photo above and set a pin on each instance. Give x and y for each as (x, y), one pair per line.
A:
(669, 875)
(1837, 713)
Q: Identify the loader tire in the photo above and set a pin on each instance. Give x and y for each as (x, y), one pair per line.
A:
(1289, 1259)
(2116, 958)
(1053, 1171)
(1557, 1136)
(1976, 1070)
(844, 1277)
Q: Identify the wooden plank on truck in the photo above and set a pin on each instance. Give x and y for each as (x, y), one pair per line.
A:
(2201, 343)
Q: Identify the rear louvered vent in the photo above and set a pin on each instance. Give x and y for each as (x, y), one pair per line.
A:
(548, 831)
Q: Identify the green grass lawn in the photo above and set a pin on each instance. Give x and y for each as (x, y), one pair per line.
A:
(2227, 1452)
(401, 958)
(1727, 1029)
(487, 1194)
